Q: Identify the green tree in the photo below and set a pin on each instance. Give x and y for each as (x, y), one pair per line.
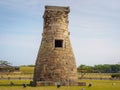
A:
(83, 69)
(5, 66)
(4, 62)
(105, 68)
(115, 68)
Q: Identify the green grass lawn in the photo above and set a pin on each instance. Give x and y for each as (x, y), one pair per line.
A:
(26, 69)
(7, 82)
(96, 85)
(28, 73)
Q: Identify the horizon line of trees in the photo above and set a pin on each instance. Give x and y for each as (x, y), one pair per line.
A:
(100, 68)
(105, 68)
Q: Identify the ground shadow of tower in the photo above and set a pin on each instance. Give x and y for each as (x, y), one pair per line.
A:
(55, 61)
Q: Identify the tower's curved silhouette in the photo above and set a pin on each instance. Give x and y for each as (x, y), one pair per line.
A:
(55, 61)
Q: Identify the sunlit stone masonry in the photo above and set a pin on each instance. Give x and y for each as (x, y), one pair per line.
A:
(55, 60)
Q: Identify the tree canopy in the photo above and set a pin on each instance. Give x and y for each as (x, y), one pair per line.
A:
(4, 62)
(105, 68)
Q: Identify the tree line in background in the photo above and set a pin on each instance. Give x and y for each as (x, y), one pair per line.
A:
(105, 68)
(112, 69)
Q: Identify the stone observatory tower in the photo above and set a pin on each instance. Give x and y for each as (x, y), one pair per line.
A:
(55, 60)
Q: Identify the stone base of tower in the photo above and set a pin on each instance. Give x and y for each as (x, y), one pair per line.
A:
(50, 83)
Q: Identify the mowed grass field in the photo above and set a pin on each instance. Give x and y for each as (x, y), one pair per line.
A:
(96, 85)
(28, 72)
(26, 69)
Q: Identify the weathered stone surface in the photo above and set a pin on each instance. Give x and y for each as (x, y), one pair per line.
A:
(55, 61)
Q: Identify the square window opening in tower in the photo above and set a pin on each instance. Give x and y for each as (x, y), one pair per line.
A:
(58, 43)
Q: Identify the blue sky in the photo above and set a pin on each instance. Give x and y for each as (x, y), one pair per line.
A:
(94, 27)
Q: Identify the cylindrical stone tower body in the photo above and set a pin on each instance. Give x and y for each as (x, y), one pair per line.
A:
(55, 61)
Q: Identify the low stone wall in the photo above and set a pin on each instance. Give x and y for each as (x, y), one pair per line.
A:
(45, 83)
(81, 83)
(50, 83)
